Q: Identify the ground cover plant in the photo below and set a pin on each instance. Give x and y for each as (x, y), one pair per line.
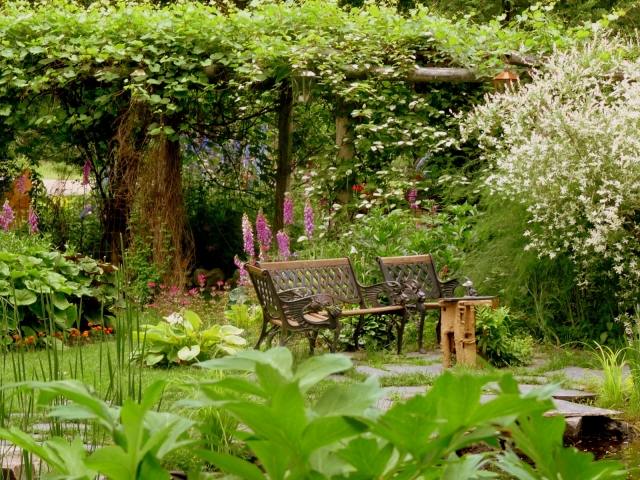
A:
(335, 436)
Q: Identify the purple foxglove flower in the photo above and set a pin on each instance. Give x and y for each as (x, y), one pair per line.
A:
(308, 219)
(264, 234)
(7, 216)
(86, 171)
(247, 236)
(244, 275)
(21, 184)
(287, 210)
(283, 245)
(33, 221)
(412, 196)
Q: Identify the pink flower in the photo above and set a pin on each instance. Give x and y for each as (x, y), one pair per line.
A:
(244, 275)
(264, 234)
(202, 279)
(247, 236)
(308, 219)
(220, 284)
(86, 171)
(7, 216)
(21, 184)
(412, 196)
(194, 291)
(287, 210)
(173, 290)
(283, 245)
(33, 222)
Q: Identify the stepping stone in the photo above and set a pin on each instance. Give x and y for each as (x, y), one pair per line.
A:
(405, 369)
(371, 371)
(524, 379)
(426, 356)
(404, 392)
(537, 362)
(582, 375)
(571, 409)
(563, 393)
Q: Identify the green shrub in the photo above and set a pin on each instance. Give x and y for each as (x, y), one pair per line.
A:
(333, 433)
(38, 284)
(497, 340)
(181, 338)
(565, 147)
(71, 222)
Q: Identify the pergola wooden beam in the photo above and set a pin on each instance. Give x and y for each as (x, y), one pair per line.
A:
(419, 74)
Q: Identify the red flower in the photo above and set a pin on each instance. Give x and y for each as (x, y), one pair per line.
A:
(151, 284)
(357, 188)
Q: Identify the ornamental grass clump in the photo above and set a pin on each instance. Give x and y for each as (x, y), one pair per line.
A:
(566, 146)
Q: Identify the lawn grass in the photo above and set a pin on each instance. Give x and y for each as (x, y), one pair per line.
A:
(50, 170)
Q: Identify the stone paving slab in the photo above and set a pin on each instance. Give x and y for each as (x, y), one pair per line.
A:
(427, 356)
(567, 394)
(393, 369)
(582, 375)
(404, 369)
(371, 371)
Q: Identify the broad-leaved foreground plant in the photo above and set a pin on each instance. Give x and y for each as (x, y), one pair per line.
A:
(293, 427)
(567, 147)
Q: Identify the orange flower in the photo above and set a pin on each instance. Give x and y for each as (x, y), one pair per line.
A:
(85, 333)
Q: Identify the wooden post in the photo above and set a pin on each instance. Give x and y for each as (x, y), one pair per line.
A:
(344, 132)
(285, 151)
(458, 328)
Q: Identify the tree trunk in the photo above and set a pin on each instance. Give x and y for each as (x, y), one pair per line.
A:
(285, 151)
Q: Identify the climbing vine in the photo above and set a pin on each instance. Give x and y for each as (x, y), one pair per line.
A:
(70, 76)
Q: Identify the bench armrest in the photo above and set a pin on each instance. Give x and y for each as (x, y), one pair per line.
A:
(296, 308)
(372, 293)
(448, 288)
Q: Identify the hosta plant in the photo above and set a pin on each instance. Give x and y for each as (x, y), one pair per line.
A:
(181, 338)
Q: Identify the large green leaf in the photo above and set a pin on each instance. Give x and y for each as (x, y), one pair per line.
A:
(23, 297)
(233, 465)
(316, 369)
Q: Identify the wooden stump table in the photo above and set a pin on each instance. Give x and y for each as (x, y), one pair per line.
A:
(458, 329)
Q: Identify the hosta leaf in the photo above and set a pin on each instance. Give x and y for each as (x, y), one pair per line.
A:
(23, 297)
(187, 354)
(152, 359)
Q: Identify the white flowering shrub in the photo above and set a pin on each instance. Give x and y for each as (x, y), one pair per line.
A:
(567, 146)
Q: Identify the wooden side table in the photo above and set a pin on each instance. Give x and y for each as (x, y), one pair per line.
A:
(459, 328)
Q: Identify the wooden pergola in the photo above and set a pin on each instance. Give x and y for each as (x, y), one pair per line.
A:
(419, 74)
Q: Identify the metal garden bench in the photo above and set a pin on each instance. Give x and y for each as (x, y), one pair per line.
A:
(417, 273)
(312, 295)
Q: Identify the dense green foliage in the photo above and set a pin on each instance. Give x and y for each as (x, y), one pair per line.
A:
(337, 434)
(565, 148)
(38, 285)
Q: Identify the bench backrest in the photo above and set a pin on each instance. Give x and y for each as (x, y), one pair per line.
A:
(334, 276)
(419, 268)
(266, 292)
